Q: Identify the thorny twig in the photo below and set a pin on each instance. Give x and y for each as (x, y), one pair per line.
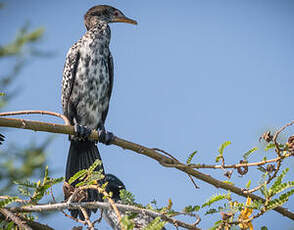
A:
(175, 159)
(26, 112)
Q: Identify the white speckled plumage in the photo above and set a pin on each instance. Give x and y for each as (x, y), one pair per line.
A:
(87, 78)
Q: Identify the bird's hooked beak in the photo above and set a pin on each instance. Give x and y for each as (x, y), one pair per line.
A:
(125, 20)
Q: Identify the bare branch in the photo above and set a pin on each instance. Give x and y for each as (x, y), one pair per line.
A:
(26, 112)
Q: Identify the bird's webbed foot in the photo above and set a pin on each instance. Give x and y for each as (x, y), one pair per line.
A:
(105, 137)
(82, 132)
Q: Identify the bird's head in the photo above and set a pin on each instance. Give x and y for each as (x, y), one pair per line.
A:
(106, 14)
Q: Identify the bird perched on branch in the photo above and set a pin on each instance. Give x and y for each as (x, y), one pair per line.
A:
(114, 186)
(86, 90)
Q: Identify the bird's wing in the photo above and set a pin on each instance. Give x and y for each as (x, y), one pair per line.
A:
(69, 73)
(110, 68)
(110, 71)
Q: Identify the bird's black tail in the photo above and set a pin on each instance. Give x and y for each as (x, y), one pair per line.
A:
(82, 155)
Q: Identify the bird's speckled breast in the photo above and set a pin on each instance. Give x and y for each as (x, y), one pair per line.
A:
(92, 82)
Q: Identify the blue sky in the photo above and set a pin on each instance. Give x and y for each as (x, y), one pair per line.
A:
(191, 75)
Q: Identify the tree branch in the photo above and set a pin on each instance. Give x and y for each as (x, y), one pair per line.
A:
(162, 159)
(26, 112)
(20, 223)
(33, 224)
(101, 205)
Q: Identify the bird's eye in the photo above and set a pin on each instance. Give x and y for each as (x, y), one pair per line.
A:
(116, 13)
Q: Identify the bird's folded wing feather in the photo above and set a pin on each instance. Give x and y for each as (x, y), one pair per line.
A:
(69, 73)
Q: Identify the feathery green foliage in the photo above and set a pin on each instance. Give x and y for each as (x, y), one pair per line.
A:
(22, 38)
(21, 163)
(36, 190)
(190, 209)
(279, 179)
(7, 201)
(281, 187)
(221, 150)
(216, 198)
(78, 175)
(211, 211)
(191, 157)
(216, 225)
(127, 223)
(280, 201)
(126, 197)
(269, 146)
(249, 153)
(156, 224)
(88, 176)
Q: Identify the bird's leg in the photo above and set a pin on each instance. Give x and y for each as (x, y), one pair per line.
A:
(82, 132)
(105, 137)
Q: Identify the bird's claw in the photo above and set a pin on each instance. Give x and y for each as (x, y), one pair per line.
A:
(105, 137)
(82, 131)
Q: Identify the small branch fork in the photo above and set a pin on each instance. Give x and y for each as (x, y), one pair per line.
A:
(165, 159)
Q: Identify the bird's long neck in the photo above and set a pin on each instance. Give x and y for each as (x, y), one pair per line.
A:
(100, 31)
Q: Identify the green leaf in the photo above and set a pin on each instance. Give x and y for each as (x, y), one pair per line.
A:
(270, 146)
(156, 224)
(95, 165)
(264, 189)
(256, 204)
(279, 179)
(22, 38)
(281, 187)
(280, 201)
(263, 228)
(26, 183)
(216, 225)
(247, 154)
(216, 198)
(11, 226)
(127, 223)
(7, 201)
(221, 150)
(126, 197)
(190, 209)
(223, 146)
(190, 157)
(78, 175)
(211, 211)
(248, 184)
